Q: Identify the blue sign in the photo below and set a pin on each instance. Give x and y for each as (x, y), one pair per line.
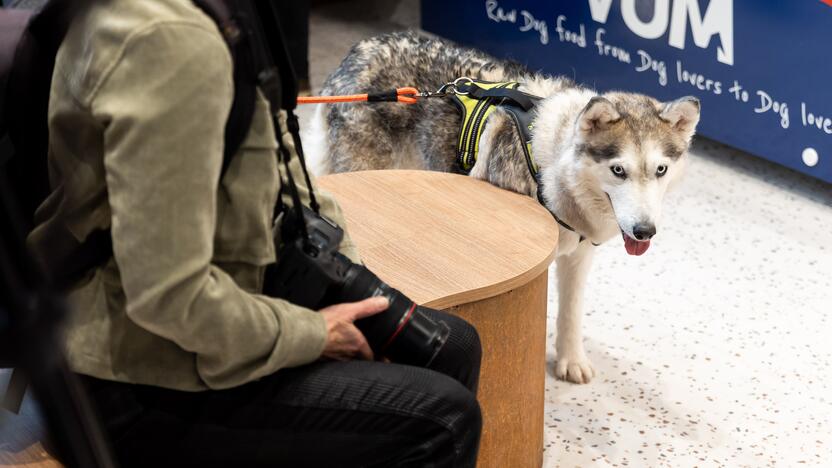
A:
(762, 69)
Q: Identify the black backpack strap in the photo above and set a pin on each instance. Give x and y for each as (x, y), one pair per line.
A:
(245, 78)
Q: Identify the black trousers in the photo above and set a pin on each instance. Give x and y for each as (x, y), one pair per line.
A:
(326, 414)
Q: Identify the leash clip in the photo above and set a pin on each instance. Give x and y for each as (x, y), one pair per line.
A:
(449, 88)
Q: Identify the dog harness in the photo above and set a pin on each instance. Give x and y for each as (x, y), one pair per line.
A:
(476, 100)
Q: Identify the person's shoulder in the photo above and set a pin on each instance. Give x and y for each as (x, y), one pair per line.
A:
(101, 37)
(118, 20)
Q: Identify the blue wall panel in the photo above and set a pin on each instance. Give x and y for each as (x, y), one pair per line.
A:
(762, 69)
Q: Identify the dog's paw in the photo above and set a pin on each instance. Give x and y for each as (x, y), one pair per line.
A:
(574, 368)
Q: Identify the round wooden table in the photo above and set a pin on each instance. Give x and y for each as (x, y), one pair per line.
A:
(456, 243)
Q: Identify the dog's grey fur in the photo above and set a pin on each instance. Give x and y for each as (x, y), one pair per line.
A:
(578, 136)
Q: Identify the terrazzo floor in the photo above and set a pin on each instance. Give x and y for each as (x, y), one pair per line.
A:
(713, 349)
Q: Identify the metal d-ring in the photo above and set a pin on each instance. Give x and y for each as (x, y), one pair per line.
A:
(450, 87)
(458, 81)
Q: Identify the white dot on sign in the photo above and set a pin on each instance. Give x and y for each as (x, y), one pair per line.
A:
(810, 157)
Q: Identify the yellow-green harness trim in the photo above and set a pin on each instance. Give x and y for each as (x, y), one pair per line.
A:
(475, 111)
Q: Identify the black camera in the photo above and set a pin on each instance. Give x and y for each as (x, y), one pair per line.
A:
(312, 273)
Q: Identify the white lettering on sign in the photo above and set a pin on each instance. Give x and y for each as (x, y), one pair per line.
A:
(653, 29)
(739, 93)
(600, 10)
(607, 50)
(811, 120)
(649, 63)
(697, 80)
(530, 23)
(769, 104)
(497, 14)
(565, 35)
(717, 20)
(672, 16)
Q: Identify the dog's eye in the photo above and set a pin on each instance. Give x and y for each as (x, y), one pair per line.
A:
(618, 171)
(662, 170)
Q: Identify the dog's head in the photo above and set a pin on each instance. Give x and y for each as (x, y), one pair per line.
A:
(634, 147)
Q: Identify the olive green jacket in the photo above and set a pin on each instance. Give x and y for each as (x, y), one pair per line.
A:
(139, 100)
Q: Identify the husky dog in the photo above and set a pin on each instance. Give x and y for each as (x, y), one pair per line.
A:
(605, 160)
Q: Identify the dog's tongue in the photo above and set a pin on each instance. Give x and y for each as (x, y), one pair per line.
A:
(635, 247)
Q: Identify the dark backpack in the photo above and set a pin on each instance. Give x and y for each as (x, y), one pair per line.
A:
(29, 42)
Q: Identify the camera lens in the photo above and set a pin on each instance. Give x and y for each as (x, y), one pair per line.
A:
(419, 341)
(402, 333)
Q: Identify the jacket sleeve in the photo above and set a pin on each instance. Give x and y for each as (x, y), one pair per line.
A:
(164, 106)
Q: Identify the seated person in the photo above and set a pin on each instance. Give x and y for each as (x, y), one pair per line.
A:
(189, 364)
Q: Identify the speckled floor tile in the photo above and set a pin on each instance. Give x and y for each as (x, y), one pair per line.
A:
(713, 349)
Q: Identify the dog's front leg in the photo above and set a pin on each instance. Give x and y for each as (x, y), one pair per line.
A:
(572, 363)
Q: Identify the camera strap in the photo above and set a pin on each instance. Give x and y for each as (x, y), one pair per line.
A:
(273, 34)
(276, 80)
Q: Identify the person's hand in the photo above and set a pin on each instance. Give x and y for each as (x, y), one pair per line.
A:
(343, 340)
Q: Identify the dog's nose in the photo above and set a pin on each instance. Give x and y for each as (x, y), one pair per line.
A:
(644, 231)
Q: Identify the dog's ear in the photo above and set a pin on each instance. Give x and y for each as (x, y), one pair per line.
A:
(598, 115)
(682, 114)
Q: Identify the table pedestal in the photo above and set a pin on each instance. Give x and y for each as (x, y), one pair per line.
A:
(512, 328)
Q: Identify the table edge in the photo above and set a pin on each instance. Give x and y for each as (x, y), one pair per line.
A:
(492, 290)
(486, 291)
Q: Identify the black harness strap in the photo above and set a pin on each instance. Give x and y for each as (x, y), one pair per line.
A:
(570, 228)
(245, 86)
(523, 121)
(519, 98)
(541, 200)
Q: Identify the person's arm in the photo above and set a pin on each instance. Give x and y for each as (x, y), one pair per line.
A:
(164, 105)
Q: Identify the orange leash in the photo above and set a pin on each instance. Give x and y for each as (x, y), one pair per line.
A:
(407, 95)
